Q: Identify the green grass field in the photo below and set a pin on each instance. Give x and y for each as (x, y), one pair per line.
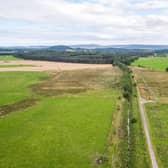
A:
(155, 63)
(8, 58)
(69, 125)
(66, 132)
(14, 86)
(158, 118)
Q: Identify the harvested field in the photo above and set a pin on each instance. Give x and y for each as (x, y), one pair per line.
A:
(152, 84)
(47, 66)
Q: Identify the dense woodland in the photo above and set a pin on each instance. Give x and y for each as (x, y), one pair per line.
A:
(104, 56)
(81, 55)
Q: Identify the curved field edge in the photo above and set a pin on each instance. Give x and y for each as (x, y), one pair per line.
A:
(68, 127)
(154, 63)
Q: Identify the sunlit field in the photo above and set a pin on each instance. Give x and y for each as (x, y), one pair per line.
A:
(64, 120)
(155, 63)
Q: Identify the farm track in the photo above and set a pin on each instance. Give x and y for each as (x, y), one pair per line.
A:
(142, 103)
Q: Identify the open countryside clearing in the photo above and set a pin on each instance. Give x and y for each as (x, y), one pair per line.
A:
(83, 118)
(29, 65)
(84, 84)
(60, 118)
(154, 63)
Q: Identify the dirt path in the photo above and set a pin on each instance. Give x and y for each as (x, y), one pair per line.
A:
(47, 66)
(142, 103)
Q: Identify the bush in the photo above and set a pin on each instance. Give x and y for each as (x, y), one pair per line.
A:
(133, 120)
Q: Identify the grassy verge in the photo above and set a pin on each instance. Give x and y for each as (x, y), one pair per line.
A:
(117, 148)
(158, 119)
(139, 150)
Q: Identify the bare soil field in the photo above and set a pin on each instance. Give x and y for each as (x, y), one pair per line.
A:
(47, 66)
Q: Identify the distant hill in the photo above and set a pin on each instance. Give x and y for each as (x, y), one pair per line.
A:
(134, 46)
(137, 46)
(60, 48)
(86, 47)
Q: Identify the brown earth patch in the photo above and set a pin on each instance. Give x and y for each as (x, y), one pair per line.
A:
(74, 82)
(6, 109)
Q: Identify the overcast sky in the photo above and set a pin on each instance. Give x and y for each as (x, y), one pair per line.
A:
(48, 22)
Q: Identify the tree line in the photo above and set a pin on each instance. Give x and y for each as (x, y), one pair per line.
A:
(90, 56)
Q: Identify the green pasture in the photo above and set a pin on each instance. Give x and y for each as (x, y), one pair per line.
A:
(15, 86)
(158, 121)
(70, 130)
(155, 63)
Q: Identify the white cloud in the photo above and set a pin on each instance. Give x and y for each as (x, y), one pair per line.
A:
(153, 4)
(96, 21)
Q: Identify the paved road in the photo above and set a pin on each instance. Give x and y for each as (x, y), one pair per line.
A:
(145, 124)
